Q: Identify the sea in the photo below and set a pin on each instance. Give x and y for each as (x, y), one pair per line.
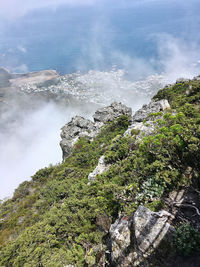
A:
(140, 38)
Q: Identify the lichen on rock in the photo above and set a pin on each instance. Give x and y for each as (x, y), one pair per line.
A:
(81, 127)
(135, 238)
(71, 132)
(111, 112)
(152, 107)
(142, 121)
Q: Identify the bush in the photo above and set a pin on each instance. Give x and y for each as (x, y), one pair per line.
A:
(187, 240)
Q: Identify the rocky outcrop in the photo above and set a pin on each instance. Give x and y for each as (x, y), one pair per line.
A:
(120, 236)
(100, 168)
(140, 128)
(151, 228)
(111, 112)
(71, 132)
(81, 127)
(135, 239)
(152, 107)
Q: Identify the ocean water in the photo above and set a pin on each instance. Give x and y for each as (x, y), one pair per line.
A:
(130, 37)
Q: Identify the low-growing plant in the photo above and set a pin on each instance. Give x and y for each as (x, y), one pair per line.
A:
(187, 240)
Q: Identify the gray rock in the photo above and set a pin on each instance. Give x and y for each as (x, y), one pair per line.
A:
(100, 168)
(197, 78)
(151, 228)
(120, 236)
(136, 239)
(111, 112)
(152, 107)
(71, 132)
(140, 129)
(182, 80)
(80, 127)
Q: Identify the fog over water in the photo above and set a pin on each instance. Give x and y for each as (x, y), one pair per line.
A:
(122, 51)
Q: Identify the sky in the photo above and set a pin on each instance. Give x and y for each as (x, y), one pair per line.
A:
(12, 9)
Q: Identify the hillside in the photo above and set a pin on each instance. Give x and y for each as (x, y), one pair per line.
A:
(126, 194)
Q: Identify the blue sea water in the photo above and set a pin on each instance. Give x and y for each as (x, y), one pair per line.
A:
(99, 37)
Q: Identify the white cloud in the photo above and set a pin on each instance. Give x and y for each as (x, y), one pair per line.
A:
(11, 9)
(178, 58)
(22, 49)
(31, 141)
(20, 69)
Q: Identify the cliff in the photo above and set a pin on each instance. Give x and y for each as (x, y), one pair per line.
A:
(126, 194)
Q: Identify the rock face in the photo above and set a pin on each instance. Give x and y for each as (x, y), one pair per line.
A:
(120, 235)
(81, 127)
(134, 240)
(71, 132)
(112, 112)
(151, 228)
(152, 107)
(140, 128)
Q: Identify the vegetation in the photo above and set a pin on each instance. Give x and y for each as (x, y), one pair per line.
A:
(54, 219)
(187, 239)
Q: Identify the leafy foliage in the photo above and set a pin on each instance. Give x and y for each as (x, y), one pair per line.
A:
(53, 219)
(187, 240)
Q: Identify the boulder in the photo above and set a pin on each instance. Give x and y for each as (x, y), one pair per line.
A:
(120, 235)
(151, 228)
(72, 131)
(140, 129)
(111, 112)
(81, 127)
(100, 168)
(152, 107)
(137, 238)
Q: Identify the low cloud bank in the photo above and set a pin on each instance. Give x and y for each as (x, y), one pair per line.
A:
(31, 141)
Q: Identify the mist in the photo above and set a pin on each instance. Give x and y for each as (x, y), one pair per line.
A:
(26, 146)
(123, 51)
(30, 140)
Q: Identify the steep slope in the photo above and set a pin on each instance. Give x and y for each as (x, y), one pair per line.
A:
(142, 210)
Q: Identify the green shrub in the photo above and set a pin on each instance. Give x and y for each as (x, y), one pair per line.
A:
(52, 220)
(187, 240)
(156, 205)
